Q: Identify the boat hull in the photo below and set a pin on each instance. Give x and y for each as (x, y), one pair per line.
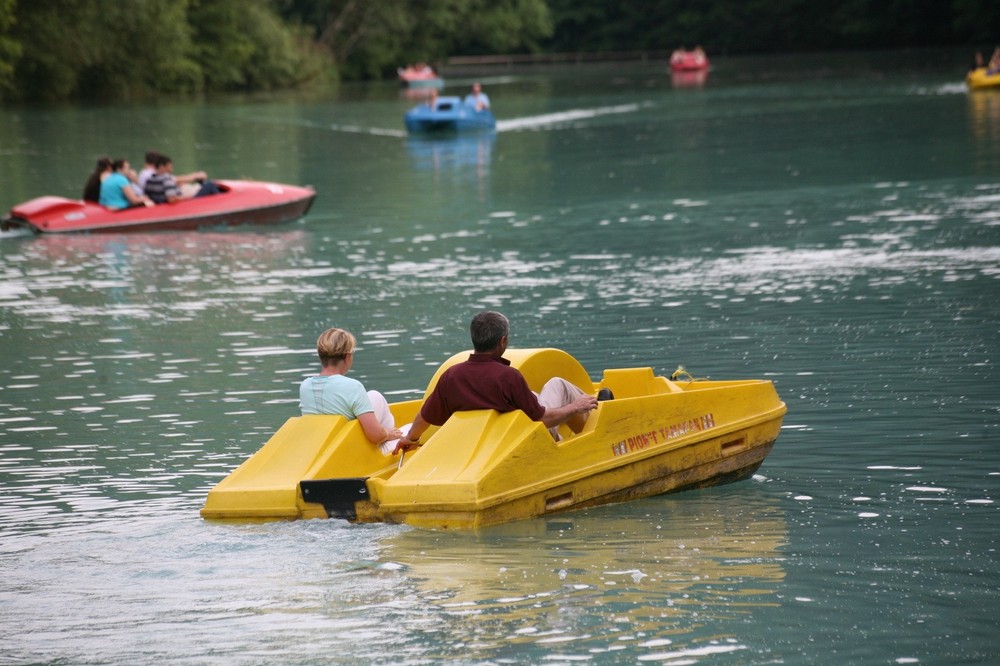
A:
(434, 83)
(483, 468)
(685, 468)
(240, 203)
(980, 78)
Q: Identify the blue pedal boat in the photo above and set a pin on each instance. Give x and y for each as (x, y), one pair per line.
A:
(448, 114)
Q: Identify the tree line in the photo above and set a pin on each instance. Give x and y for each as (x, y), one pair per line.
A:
(109, 49)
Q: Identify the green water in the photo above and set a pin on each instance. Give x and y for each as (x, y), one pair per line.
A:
(830, 223)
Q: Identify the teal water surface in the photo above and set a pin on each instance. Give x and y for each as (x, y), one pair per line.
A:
(829, 223)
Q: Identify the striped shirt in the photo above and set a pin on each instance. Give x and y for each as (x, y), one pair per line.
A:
(161, 186)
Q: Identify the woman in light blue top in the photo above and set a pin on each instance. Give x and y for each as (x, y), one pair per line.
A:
(333, 392)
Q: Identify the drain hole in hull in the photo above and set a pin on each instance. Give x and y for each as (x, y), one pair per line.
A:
(733, 446)
(559, 502)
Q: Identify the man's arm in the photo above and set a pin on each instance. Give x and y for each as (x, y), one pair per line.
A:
(555, 416)
(191, 177)
(171, 191)
(417, 429)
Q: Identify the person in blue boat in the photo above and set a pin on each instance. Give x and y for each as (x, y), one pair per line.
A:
(333, 392)
(117, 189)
(477, 99)
(486, 381)
(162, 187)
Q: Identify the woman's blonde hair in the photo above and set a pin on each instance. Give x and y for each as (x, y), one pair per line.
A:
(334, 344)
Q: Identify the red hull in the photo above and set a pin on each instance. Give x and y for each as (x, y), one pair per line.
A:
(241, 202)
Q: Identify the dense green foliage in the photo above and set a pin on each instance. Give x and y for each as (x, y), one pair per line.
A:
(10, 49)
(109, 49)
(371, 39)
(60, 49)
(759, 26)
(105, 53)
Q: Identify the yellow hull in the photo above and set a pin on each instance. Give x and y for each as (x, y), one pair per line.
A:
(978, 79)
(483, 468)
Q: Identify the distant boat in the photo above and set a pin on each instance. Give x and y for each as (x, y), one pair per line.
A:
(688, 61)
(448, 114)
(419, 76)
(981, 78)
(239, 202)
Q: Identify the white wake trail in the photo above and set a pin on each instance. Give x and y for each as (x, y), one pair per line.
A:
(561, 117)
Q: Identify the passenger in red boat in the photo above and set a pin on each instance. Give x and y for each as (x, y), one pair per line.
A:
(148, 168)
(333, 392)
(486, 381)
(133, 179)
(162, 187)
(419, 72)
(117, 191)
(92, 188)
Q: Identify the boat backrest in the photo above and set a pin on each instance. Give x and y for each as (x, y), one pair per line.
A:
(636, 382)
(447, 103)
(537, 365)
(540, 365)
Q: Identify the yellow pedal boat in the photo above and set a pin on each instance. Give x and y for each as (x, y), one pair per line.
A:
(980, 78)
(481, 468)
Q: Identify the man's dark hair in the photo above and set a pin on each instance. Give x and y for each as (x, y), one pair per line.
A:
(486, 330)
(161, 160)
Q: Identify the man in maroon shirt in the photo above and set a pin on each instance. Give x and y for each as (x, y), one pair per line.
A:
(486, 381)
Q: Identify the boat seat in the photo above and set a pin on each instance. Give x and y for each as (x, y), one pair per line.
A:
(636, 382)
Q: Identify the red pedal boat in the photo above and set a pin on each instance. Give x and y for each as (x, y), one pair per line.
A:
(239, 202)
(688, 61)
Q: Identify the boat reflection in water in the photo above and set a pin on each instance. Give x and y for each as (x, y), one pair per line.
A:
(137, 273)
(984, 112)
(458, 152)
(658, 567)
(689, 79)
(143, 251)
(462, 158)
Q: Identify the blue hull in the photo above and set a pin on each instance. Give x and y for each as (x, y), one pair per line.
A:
(449, 114)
